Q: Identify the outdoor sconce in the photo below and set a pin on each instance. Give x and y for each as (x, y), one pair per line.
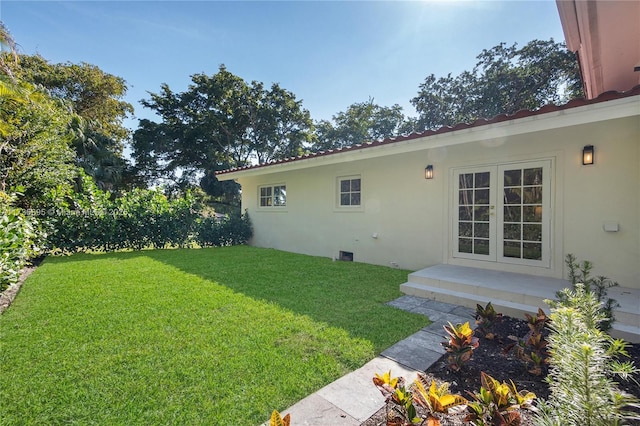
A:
(587, 154)
(428, 172)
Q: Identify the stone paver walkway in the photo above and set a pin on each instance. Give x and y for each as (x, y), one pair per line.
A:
(353, 398)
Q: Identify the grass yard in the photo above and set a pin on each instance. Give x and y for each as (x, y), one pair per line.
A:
(212, 336)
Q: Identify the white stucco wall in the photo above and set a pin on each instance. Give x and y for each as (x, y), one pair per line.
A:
(412, 217)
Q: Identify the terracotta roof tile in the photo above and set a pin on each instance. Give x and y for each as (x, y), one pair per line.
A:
(574, 103)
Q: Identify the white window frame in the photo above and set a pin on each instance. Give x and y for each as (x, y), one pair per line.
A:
(339, 193)
(273, 188)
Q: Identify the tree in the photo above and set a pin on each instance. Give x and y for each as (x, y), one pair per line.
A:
(279, 126)
(96, 97)
(219, 122)
(7, 42)
(360, 123)
(505, 80)
(35, 155)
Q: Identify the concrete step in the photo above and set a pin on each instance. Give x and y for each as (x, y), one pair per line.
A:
(469, 300)
(513, 294)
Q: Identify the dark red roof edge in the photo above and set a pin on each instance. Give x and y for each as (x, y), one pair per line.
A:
(574, 103)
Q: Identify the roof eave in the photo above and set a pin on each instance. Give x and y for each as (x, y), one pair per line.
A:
(590, 113)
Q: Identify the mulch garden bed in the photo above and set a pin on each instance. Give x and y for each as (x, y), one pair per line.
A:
(489, 357)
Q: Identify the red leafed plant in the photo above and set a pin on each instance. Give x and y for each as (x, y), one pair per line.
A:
(460, 344)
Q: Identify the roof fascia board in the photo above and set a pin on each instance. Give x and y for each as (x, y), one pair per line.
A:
(569, 20)
(601, 111)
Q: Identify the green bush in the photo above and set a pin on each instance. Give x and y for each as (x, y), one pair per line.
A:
(18, 238)
(232, 230)
(89, 220)
(583, 364)
(580, 273)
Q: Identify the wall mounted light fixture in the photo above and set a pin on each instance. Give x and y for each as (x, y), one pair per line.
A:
(428, 172)
(587, 154)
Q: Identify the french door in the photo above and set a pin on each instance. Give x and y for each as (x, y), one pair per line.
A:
(502, 213)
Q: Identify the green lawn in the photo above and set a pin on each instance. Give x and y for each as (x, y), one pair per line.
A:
(210, 336)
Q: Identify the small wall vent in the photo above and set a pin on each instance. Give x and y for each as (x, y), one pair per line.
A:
(346, 256)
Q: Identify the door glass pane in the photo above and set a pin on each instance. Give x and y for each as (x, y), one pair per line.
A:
(522, 220)
(474, 198)
(464, 213)
(512, 195)
(480, 246)
(466, 180)
(465, 229)
(533, 195)
(512, 178)
(532, 213)
(464, 245)
(481, 230)
(533, 176)
(512, 249)
(465, 198)
(512, 231)
(532, 251)
(482, 180)
(512, 213)
(532, 232)
(482, 196)
(481, 213)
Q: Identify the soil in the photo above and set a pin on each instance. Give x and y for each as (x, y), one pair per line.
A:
(9, 294)
(489, 357)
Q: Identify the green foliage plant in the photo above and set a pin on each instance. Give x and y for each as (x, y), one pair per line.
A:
(230, 230)
(400, 410)
(498, 403)
(532, 348)
(89, 219)
(18, 241)
(277, 420)
(486, 318)
(400, 401)
(460, 345)
(580, 273)
(436, 399)
(584, 366)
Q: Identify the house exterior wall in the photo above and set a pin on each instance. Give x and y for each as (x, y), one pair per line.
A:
(407, 221)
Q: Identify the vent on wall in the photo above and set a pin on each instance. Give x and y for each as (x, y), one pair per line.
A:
(347, 256)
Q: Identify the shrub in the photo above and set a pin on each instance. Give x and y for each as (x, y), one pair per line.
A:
(486, 318)
(232, 230)
(460, 345)
(435, 399)
(532, 348)
(583, 365)
(580, 273)
(18, 241)
(497, 403)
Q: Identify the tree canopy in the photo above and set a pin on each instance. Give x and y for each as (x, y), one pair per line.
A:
(361, 122)
(35, 157)
(505, 79)
(96, 98)
(220, 121)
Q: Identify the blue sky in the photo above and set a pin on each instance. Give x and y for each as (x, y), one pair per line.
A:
(330, 54)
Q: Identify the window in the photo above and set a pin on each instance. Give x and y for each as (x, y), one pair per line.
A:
(273, 196)
(350, 191)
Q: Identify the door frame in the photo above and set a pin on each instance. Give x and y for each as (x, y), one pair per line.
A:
(496, 256)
